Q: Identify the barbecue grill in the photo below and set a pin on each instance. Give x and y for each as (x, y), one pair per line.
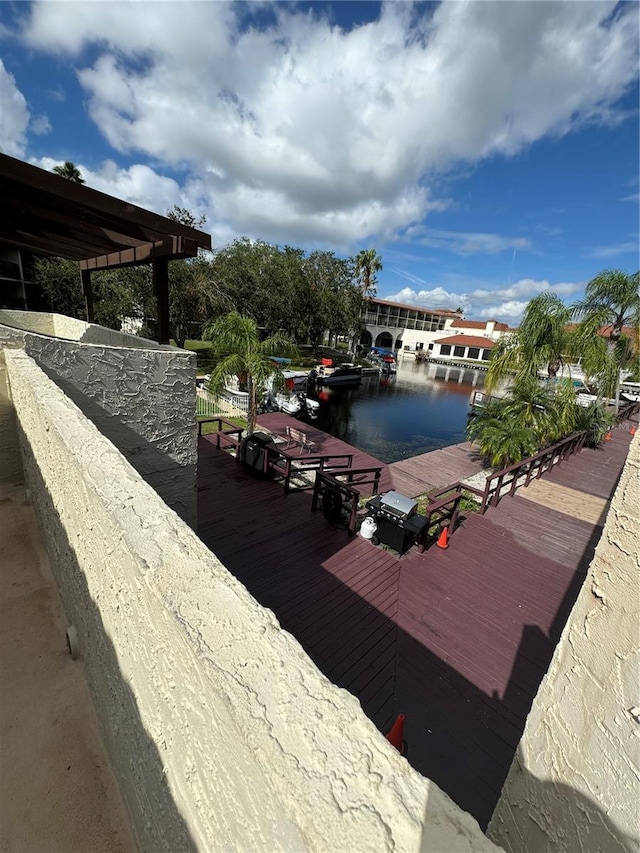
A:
(398, 524)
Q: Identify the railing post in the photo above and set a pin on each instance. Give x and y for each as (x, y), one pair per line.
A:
(454, 514)
(485, 497)
(496, 495)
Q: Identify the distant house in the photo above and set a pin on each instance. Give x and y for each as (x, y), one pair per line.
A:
(463, 346)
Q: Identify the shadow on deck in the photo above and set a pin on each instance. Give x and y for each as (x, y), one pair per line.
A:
(457, 640)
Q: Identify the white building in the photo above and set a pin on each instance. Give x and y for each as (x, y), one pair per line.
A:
(410, 329)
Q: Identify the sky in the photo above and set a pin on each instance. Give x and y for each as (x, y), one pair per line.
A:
(486, 150)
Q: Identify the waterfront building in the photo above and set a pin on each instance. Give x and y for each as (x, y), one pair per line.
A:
(412, 329)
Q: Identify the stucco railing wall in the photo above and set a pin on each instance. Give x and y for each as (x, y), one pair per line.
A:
(10, 465)
(60, 326)
(222, 732)
(142, 399)
(574, 785)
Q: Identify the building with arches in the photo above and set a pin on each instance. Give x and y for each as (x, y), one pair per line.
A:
(412, 329)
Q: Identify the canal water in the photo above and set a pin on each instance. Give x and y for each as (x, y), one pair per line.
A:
(422, 408)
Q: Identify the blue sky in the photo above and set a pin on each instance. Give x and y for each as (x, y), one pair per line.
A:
(486, 150)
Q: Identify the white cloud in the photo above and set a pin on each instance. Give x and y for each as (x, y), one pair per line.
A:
(526, 287)
(436, 297)
(40, 125)
(305, 131)
(505, 304)
(510, 312)
(14, 115)
(614, 250)
(464, 243)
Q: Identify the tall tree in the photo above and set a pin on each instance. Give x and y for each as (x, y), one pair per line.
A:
(611, 304)
(542, 340)
(236, 342)
(367, 264)
(69, 171)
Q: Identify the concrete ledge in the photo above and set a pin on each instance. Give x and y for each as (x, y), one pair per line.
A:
(574, 785)
(139, 394)
(223, 734)
(67, 328)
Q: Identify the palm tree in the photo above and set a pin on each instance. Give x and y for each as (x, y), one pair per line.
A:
(236, 341)
(367, 264)
(69, 171)
(542, 340)
(611, 302)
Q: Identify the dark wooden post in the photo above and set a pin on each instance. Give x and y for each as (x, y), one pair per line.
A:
(161, 290)
(85, 278)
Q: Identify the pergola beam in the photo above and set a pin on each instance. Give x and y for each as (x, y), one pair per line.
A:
(170, 248)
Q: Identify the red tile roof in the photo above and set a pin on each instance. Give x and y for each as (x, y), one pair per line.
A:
(467, 341)
(444, 311)
(478, 324)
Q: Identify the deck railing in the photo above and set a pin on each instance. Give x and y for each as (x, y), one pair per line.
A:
(507, 480)
(286, 465)
(628, 411)
(227, 434)
(342, 483)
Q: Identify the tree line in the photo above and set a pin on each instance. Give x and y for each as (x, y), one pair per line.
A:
(283, 289)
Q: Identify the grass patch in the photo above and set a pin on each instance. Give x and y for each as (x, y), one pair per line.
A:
(213, 427)
(467, 503)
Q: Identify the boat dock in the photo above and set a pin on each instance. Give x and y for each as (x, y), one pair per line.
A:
(457, 640)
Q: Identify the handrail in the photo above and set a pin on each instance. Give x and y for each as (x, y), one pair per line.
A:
(318, 461)
(374, 482)
(628, 411)
(510, 475)
(323, 479)
(228, 433)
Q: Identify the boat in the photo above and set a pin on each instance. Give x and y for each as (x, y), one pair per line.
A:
(331, 374)
(294, 380)
(289, 403)
(630, 391)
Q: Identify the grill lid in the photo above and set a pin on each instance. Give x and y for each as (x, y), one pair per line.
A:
(398, 504)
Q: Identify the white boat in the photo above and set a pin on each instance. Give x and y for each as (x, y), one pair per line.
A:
(630, 391)
(289, 403)
(336, 374)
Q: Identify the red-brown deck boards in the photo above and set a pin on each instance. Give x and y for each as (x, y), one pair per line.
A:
(458, 640)
(438, 468)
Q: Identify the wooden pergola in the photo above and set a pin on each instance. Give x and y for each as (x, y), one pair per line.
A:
(49, 215)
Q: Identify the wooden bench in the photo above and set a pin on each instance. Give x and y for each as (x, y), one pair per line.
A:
(297, 436)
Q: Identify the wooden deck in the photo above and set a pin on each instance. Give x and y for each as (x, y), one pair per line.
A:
(438, 468)
(457, 640)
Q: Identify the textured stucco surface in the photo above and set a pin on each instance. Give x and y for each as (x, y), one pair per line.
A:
(143, 400)
(10, 465)
(222, 732)
(574, 784)
(59, 326)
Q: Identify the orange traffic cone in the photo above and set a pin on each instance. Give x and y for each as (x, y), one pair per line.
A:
(443, 539)
(395, 736)
(632, 431)
(608, 436)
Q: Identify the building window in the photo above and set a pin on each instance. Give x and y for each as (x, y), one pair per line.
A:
(459, 351)
(474, 352)
(486, 354)
(430, 346)
(445, 349)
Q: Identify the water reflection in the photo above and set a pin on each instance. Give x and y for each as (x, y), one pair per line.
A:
(422, 408)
